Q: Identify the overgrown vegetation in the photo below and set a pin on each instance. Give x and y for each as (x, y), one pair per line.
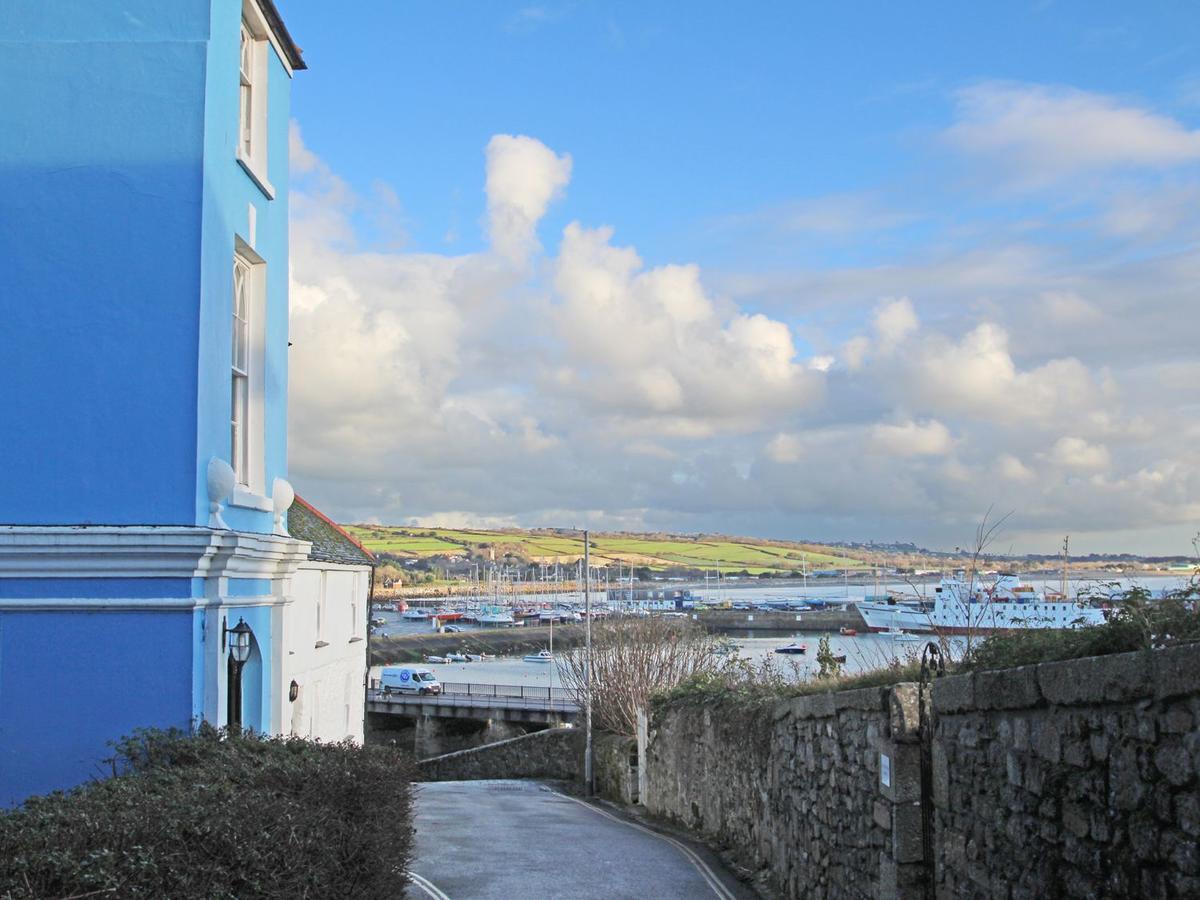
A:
(1135, 623)
(632, 658)
(759, 687)
(219, 815)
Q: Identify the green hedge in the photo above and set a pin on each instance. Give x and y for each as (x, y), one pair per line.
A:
(214, 815)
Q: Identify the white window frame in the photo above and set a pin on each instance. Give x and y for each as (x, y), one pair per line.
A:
(251, 153)
(248, 325)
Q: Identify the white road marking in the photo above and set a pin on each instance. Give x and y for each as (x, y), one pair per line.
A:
(427, 886)
(705, 872)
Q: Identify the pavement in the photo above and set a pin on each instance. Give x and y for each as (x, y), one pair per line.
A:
(523, 839)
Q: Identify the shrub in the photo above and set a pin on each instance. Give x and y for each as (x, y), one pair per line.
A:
(219, 815)
(1135, 623)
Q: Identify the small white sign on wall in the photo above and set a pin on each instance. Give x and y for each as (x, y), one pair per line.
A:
(885, 770)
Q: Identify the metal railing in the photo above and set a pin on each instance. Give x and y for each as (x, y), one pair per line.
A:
(510, 696)
(525, 692)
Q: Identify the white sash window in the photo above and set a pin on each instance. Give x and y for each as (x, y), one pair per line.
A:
(239, 456)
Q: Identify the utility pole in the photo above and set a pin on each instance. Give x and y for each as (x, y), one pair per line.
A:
(587, 640)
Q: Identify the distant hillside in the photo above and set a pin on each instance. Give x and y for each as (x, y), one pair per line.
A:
(656, 552)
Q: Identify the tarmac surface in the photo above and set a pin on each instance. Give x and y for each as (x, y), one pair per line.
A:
(523, 839)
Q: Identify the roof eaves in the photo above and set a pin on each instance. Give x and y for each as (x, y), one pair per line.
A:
(295, 58)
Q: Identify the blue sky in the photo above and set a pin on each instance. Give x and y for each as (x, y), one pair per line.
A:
(1006, 184)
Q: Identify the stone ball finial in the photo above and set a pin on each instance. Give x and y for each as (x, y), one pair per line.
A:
(221, 482)
(282, 496)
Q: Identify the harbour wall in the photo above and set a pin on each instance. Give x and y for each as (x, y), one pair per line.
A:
(738, 620)
(1067, 779)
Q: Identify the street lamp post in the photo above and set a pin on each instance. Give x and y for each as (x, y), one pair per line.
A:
(239, 652)
(587, 640)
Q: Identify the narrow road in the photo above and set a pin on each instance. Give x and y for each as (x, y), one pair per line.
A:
(521, 839)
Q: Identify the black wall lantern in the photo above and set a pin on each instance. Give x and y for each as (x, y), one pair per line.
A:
(293, 691)
(239, 651)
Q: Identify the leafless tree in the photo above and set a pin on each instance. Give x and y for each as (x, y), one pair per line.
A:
(633, 658)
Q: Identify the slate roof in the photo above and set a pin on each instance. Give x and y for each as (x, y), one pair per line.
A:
(330, 542)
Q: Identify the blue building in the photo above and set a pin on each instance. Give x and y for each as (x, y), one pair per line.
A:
(143, 342)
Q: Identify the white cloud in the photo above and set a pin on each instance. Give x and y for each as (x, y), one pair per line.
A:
(579, 384)
(523, 177)
(1076, 453)
(930, 438)
(1013, 469)
(1041, 133)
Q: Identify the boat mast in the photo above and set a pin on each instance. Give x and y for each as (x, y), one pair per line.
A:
(1066, 550)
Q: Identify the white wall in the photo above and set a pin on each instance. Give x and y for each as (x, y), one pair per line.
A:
(325, 630)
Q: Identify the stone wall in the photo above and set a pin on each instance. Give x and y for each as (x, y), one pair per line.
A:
(1070, 779)
(1067, 779)
(556, 753)
(615, 767)
(819, 796)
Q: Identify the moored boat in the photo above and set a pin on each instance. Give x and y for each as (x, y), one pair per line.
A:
(959, 608)
(542, 656)
(847, 632)
(793, 648)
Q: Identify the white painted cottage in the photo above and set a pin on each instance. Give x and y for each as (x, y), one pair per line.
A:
(325, 667)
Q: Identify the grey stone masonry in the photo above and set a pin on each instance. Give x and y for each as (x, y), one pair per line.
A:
(819, 795)
(1070, 779)
(555, 753)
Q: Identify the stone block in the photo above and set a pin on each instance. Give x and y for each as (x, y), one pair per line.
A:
(1176, 671)
(866, 699)
(1007, 688)
(1174, 762)
(881, 813)
(904, 721)
(1097, 679)
(941, 775)
(1176, 720)
(907, 842)
(1046, 740)
(905, 773)
(815, 706)
(955, 693)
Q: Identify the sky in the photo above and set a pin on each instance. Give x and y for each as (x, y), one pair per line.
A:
(839, 272)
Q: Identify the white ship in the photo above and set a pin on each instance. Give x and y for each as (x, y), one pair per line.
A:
(956, 608)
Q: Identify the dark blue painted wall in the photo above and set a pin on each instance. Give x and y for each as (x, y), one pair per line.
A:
(72, 681)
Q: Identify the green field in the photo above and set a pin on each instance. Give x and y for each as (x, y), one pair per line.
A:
(755, 557)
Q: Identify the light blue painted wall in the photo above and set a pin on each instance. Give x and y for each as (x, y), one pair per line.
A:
(100, 193)
(228, 194)
(120, 197)
(258, 695)
(59, 709)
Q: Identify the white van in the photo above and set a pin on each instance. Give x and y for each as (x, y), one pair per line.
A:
(409, 680)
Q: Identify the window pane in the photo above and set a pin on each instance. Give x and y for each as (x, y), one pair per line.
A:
(245, 103)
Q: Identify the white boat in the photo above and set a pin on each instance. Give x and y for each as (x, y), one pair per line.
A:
(793, 648)
(542, 656)
(494, 615)
(436, 659)
(480, 657)
(899, 634)
(415, 614)
(457, 657)
(956, 608)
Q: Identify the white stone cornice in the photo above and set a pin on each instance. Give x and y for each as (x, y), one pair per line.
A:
(107, 551)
